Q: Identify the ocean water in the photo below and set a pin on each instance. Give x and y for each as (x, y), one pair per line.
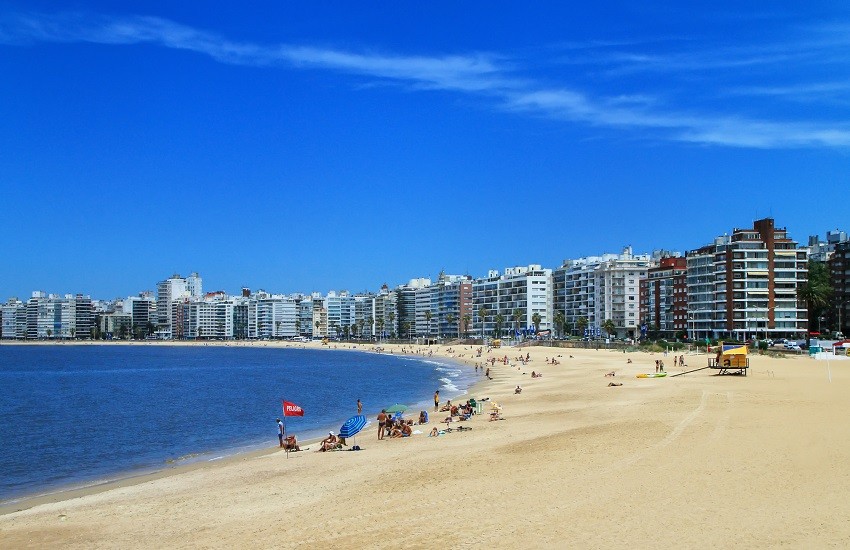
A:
(77, 415)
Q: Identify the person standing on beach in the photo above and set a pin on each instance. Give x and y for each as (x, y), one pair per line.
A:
(437, 400)
(280, 431)
(382, 423)
(359, 407)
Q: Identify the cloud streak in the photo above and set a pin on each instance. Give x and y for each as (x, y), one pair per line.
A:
(481, 75)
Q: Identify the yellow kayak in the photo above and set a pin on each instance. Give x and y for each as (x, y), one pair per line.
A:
(652, 375)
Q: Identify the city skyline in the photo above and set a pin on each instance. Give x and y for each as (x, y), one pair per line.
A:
(302, 150)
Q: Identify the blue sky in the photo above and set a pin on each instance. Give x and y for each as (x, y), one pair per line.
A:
(342, 146)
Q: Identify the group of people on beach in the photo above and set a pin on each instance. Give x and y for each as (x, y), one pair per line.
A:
(287, 442)
(394, 427)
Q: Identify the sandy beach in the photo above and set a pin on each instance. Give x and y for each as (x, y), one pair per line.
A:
(692, 461)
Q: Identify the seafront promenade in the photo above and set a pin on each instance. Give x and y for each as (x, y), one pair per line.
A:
(698, 460)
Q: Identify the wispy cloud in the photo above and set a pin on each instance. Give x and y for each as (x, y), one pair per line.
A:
(479, 74)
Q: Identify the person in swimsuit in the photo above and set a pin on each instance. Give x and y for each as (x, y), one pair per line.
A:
(437, 400)
(382, 423)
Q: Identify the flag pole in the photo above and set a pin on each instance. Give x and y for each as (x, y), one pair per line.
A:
(285, 446)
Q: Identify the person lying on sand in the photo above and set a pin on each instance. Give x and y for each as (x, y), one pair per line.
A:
(614, 384)
(612, 373)
(434, 432)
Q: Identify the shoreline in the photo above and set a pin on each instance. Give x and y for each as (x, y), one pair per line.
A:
(229, 456)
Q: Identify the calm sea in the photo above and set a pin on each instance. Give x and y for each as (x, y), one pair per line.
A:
(75, 415)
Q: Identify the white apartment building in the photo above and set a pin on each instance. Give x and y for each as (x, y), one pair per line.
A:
(407, 316)
(167, 292)
(272, 316)
(341, 312)
(525, 288)
(599, 288)
(13, 320)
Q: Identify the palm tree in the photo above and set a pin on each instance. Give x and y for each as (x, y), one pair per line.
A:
(559, 322)
(500, 320)
(354, 329)
(466, 320)
(380, 324)
(817, 292)
(405, 327)
(517, 315)
(391, 317)
(428, 316)
(298, 327)
(450, 319)
(609, 327)
(361, 323)
(318, 324)
(482, 314)
(73, 332)
(277, 328)
(581, 324)
(370, 321)
(535, 320)
(49, 333)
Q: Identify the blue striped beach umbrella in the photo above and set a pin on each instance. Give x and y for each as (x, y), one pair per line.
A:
(352, 427)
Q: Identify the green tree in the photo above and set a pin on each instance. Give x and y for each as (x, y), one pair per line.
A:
(380, 324)
(318, 324)
(536, 319)
(467, 319)
(428, 316)
(517, 315)
(609, 327)
(817, 292)
(298, 327)
(370, 322)
(391, 317)
(581, 324)
(500, 320)
(482, 314)
(450, 320)
(49, 333)
(560, 321)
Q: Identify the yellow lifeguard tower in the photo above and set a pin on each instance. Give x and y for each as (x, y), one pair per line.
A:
(731, 357)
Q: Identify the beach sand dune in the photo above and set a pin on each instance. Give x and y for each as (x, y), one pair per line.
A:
(689, 462)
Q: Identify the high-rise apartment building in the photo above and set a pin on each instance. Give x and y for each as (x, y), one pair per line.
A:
(839, 270)
(664, 298)
(746, 285)
(168, 292)
(12, 312)
(600, 288)
(524, 289)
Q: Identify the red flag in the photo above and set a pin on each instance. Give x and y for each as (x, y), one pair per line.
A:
(291, 409)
